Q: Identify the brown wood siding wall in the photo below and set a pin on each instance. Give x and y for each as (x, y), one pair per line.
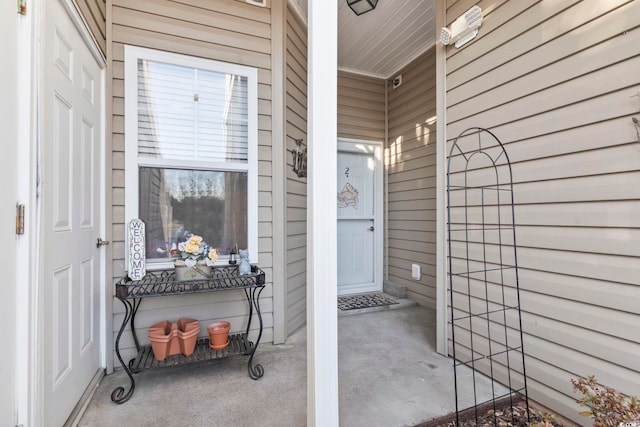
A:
(360, 107)
(224, 30)
(94, 13)
(555, 82)
(296, 193)
(411, 168)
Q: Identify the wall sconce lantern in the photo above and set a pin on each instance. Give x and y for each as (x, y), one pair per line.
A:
(362, 6)
(299, 159)
(463, 29)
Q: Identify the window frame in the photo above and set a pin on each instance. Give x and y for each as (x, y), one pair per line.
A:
(133, 162)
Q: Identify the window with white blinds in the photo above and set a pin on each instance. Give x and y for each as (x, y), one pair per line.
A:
(190, 152)
(189, 113)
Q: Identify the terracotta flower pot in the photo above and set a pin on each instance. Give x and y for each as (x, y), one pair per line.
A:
(187, 334)
(162, 335)
(169, 338)
(219, 334)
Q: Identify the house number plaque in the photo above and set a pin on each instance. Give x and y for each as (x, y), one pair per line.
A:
(137, 248)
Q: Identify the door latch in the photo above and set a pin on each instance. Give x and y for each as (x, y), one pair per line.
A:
(100, 242)
(371, 228)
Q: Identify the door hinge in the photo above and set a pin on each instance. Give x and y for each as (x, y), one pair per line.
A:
(19, 218)
(22, 7)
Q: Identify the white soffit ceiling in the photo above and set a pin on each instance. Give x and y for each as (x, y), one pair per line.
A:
(381, 42)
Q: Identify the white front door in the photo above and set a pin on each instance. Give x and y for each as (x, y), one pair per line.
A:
(71, 218)
(359, 204)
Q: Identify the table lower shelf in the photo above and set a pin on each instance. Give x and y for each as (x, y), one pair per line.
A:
(238, 345)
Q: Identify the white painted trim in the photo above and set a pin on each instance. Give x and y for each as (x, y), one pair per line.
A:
(322, 316)
(191, 164)
(132, 54)
(278, 165)
(252, 175)
(298, 13)
(361, 73)
(441, 158)
(189, 61)
(83, 28)
(25, 283)
(108, 214)
(105, 294)
(36, 324)
(349, 145)
(386, 180)
(396, 71)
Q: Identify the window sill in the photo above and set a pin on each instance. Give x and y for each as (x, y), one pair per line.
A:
(168, 265)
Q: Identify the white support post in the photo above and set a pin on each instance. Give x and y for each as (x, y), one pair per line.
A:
(441, 152)
(278, 152)
(322, 321)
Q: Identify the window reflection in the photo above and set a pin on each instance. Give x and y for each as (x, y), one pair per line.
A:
(175, 203)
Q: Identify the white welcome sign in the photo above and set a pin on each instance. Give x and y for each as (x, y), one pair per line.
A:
(137, 249)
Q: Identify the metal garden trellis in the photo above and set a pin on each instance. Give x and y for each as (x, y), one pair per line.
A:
(486, 322)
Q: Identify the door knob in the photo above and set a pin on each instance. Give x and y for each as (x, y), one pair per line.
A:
(371, 228)
(100, 242)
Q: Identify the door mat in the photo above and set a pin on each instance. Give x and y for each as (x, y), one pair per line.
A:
(353, 302)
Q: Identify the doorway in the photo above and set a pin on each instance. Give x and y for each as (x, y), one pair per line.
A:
(71, 110)
(359, 204)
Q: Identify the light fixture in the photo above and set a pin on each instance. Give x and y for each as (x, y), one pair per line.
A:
(463, 29)
(362, 6)
(300, 159)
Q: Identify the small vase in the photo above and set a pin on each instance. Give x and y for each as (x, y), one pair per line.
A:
(200, 271)
(219, 335)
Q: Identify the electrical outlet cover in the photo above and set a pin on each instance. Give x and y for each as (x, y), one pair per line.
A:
(415, 271)
(397, 81)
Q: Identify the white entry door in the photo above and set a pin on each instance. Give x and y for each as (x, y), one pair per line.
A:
(71, 217)
(359, 218)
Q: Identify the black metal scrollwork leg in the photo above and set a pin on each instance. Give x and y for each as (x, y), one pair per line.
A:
(118, 395)
(136, 304)
(253, 297)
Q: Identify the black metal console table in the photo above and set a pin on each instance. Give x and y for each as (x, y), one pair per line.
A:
(163, 283)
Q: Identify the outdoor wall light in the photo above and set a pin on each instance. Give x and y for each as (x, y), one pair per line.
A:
(300, 159)
(463, 29)
(362, 6)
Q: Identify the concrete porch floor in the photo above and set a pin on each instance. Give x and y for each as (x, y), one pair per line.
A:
(389, 375)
